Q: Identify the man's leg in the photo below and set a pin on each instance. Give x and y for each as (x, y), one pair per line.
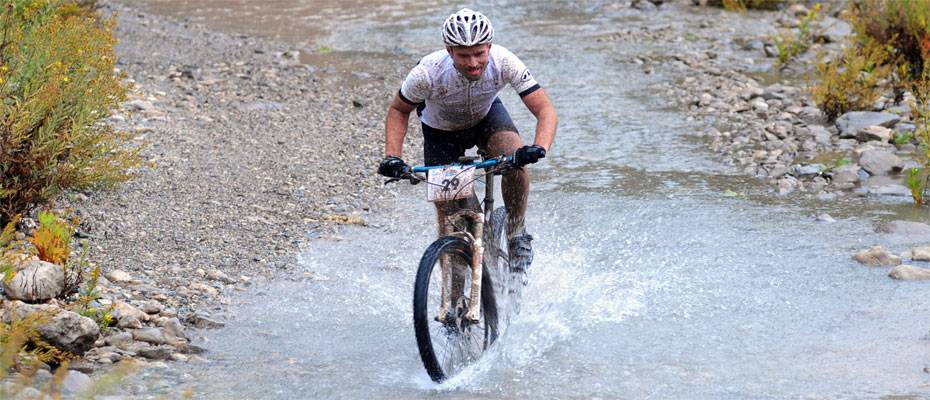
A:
(515, 187)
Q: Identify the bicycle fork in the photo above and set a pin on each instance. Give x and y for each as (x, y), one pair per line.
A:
(475, 221)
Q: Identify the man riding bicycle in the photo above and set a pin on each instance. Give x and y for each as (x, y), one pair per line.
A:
(455, 92)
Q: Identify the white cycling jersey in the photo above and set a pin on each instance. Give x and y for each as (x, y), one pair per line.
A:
(452, 102)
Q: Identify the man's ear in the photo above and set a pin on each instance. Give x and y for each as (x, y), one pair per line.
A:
(449, 49)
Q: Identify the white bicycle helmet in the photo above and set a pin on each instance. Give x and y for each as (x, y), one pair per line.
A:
(467, 28)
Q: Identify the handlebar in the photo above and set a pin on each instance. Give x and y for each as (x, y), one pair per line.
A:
(503, 162)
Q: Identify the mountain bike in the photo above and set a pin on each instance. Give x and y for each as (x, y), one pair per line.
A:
(457, 316)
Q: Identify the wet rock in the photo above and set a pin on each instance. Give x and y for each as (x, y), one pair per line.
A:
(216, 275)
(910, 273)
(75, 382)
(150, 335)
(873, 132)
(204, 288)
(851, 123)
(920, 253)
(909, 228)
(807, 171)
(139, 105)
(122, 310)
(770, 50)
(152, 307)
(643, 5)
(880, 162)
(846, 174)
(173, 327)
(162, 352)
(905, 127)
(263, 106)
(825, 218)
(63, 329)
(35, 281)
(787, 184)
(203, 321)
(129, 322)
(877, 256)
(890, 190)
(121, 340)
(118, 276)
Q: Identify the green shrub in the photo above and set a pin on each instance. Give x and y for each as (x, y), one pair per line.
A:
(743, 5)
(903, 25)
(57, 85)
(852, 81)
(790, 45)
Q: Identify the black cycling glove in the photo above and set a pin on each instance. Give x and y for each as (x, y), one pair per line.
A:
(528, 155)
(393, 167)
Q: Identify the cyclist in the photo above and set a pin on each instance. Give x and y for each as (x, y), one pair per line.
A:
(455, 92)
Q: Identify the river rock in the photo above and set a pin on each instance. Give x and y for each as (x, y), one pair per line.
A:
(846, 174)
(35, 281)
(151, 307)
(123, 310)
(172, 326)
(150, 335)
(75, 382)
(877, 256)
(920, 253)
(851, 123)
(909, 228)
(910, 273)
(121, 340)
(63, 329)
(880, 162)
(118, 276)
(807, 171)
(874, 132)
(203, 321)
(162, 352)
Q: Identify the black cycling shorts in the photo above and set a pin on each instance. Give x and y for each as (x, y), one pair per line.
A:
(445, 147)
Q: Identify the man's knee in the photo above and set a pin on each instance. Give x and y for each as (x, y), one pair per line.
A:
(504, 143)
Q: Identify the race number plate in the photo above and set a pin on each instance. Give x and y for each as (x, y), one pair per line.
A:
(450, 183)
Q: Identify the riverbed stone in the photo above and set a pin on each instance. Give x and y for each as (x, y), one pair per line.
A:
(875, 132)
(35, 281)
(63, 329)
(877, 256)
(920, 253)
(150, 335)
(910, 273)
(910, 228)
(851, 123)
(118, 276)
(880, 162)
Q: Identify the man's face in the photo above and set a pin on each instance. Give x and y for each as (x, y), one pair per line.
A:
(470, 61)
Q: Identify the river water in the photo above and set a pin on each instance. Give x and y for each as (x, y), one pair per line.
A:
(651, 280)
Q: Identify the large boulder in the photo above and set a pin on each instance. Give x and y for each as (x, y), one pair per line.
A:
(35, 281)
(880, 162)
(877, 256)
(851, 123)
(63, 329)
(910, 273)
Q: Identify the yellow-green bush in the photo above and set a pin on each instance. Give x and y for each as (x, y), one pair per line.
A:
(903, 25)
(742, 5)
(851, 82)
(57, 83)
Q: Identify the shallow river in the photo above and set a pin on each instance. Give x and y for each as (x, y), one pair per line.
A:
(649, 280)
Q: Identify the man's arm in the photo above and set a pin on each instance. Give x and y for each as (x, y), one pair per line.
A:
(395, 126)
(546, 120)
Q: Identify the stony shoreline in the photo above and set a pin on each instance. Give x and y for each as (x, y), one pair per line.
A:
(251, 155)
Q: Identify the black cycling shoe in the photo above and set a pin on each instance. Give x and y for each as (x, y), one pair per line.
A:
(520, 251)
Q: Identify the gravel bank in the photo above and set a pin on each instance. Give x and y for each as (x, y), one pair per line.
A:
(250, 151)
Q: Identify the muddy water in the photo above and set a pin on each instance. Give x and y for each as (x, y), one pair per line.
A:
(659, 272)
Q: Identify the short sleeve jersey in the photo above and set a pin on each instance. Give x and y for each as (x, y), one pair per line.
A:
(450, 101)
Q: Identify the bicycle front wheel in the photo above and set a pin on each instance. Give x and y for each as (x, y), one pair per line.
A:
(449, 345)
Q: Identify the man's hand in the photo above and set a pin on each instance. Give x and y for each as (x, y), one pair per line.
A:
(393, 167)
(528, 155)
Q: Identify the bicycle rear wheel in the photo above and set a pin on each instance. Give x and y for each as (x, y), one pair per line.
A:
(448, 346)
